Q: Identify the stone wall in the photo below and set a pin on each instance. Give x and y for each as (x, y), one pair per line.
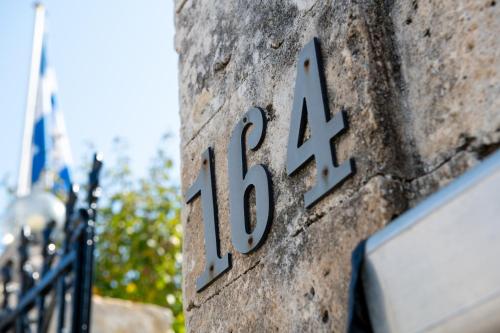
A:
(110, 315)
(418, 81)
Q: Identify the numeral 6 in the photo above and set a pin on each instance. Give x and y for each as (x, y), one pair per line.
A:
(243, 181)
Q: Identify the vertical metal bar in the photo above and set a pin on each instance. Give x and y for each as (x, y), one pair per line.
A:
(85, 255)
(61, 303)
(47, 255)
(23, 276)
(61, 282)
(92, 197)
(6, 278)
(23, 259)
(88, 263)
(79, 248)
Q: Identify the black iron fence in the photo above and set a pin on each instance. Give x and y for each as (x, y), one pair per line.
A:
(58, 295)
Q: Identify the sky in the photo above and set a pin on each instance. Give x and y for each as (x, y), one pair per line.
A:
(116, 69)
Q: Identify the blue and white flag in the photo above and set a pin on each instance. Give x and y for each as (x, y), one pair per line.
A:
(50, 145)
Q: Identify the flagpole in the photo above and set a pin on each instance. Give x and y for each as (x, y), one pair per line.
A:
(24, 180)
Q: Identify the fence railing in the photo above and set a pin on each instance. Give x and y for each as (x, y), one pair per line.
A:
(62, 288)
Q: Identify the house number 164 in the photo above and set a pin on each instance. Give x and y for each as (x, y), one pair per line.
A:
(309, 107)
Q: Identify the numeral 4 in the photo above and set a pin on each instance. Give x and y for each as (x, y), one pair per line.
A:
(310, 107)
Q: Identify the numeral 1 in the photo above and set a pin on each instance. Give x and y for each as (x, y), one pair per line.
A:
(204, 185)
(310, 106)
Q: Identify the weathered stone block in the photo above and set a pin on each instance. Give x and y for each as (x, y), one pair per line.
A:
(449, 71)
(415, 123)
(119, 316)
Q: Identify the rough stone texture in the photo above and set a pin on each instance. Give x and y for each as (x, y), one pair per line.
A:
(118, 316)
(111, 315)
(419, 83)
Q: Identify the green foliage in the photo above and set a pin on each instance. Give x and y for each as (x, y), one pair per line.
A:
(138, 249)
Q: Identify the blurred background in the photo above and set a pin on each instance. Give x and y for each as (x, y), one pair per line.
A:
(116, 71)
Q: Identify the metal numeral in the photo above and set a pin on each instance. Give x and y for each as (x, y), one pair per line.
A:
(204, 185)
(243, 181)
(310, 106)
